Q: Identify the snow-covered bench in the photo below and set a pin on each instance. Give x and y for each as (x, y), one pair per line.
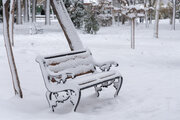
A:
(65, 75)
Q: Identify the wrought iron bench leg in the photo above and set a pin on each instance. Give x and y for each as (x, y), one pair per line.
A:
(97, 89)
(77, 99)
(52, 102)
(117, 86)
(48, 97)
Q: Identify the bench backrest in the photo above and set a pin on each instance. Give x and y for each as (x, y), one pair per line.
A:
(77, 63)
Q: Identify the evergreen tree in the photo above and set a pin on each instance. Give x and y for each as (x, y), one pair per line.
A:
(67, 4)
(91, 24)
(76, 11)
(77, 14)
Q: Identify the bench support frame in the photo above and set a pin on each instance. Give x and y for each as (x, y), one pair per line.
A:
(74, 96)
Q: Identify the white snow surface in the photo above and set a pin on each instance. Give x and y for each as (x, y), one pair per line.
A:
(151, 74)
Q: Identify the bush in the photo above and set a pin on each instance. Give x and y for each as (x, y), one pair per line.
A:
(91, 24)
(76, 12)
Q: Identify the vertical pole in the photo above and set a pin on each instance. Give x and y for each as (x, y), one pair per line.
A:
(156, 25)
(174, 15)
(19, 12)
(146, 19)
(150, 16)
(150, 11)
(11, 21)
(133, 33)
(52, 14)
(118, 18)
(29, 10)
(47, 20)
(34, 10)
(146, 15)
(26, 11)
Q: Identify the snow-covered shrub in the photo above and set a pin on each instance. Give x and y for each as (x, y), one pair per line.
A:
(76, 12)
(81, 16)
(166, 11)
(105, 19)
(67, 4)
(91, 24)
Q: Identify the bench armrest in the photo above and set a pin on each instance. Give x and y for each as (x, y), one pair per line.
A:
(106, 66)
(60, 78)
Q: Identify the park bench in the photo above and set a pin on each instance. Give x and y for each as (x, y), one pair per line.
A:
(65, 75)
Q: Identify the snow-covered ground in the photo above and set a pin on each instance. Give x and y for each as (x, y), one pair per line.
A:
(151, 75)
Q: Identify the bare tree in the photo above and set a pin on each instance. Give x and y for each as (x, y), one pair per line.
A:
(6, 32)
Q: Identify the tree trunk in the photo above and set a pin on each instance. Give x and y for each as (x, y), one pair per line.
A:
(29, 11)
(26, 11)
(133, 33)
(156, 28)
(118, 18)
(52, 13)
(146, 14)
(34, 2)
(66, 25)
(12, 65)
(146, 19)
(11, 21)
(150, 17)
(174, 15)
(47, 20)
(123, 19)
(19, 12)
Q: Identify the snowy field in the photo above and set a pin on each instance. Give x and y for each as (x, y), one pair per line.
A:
(151, 75)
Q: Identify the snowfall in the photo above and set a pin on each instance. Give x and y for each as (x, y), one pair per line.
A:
(151, 74)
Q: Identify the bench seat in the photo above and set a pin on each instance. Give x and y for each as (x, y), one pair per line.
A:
(91, 79)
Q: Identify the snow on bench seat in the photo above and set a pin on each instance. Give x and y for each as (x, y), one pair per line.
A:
(89, 80)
